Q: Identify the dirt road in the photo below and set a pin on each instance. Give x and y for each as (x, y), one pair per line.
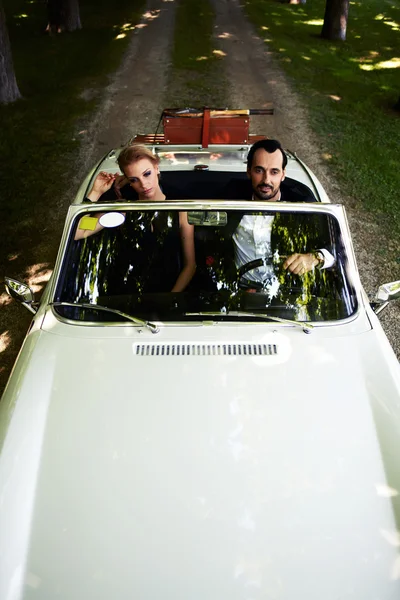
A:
(133, 102)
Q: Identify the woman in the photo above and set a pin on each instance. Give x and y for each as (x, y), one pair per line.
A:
(140, 168)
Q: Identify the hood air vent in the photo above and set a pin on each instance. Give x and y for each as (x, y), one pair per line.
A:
(206, 350)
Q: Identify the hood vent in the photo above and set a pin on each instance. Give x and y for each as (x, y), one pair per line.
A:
(206, 349)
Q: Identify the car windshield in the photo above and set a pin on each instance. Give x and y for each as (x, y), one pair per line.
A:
(249, 264)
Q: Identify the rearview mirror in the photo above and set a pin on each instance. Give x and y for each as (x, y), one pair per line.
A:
(208, 218)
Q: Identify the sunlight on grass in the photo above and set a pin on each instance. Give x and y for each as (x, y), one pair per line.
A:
(394, 63)
(306, 57)
(225, 36)
(219, 53)
(333, 97)
(5, 341)
(385, 20)
(369, 58)
(316, 22)
(120, 36)
(20, 16)
(395, 26)
(202, 58)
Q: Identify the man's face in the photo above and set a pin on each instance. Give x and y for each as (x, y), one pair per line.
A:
(266, 174)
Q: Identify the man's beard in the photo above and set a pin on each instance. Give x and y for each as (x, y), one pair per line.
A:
(267, 195)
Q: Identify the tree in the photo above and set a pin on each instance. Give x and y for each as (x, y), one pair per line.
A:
(335, 20)
(72, 16)
(9, 91)
(63, 15)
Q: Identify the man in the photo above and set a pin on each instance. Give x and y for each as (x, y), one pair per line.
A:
(255, 236)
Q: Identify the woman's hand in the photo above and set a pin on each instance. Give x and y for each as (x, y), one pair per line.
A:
(101, 185)
(120, 182)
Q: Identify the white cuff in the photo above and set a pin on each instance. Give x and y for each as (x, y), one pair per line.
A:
(329, 260)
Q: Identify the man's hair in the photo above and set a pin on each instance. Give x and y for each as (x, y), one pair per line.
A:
(132, 154)
(269, 146)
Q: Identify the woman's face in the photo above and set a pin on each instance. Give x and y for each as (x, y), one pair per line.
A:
(143, 177)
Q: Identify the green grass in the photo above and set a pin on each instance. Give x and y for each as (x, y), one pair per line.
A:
(38, 145)
(195, 60)
(349, 89)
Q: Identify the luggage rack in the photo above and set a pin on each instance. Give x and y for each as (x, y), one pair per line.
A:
(204, 127)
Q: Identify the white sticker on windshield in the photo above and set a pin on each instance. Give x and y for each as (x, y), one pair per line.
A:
(111, 219)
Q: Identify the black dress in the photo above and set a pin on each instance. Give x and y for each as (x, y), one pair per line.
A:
(146, 254)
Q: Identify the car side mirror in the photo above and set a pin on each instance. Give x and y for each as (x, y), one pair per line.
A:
(386, 293)
(21, 292)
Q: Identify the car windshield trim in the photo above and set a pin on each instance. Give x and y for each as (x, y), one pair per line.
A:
(107, 295)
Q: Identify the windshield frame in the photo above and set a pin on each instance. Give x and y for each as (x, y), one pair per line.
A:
(337, 211)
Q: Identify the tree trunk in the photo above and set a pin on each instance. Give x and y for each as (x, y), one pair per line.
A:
(9, 91)
(397, 105)
(335, 20)
(63, 15)
(72, 17)
(55, 16)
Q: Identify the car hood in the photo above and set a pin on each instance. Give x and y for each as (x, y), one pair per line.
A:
(129, 472)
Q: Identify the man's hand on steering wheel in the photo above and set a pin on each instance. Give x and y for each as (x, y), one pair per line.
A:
(299, 264)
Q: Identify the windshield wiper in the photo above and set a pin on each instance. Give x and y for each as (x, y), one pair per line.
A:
(152, 326)
(306, 327)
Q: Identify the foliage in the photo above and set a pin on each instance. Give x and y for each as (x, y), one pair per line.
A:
(349, 88)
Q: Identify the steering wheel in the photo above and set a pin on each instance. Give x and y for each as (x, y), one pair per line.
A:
(249, 266)
(259, 262)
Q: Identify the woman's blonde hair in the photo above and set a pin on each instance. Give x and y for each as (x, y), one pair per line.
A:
(132, 154)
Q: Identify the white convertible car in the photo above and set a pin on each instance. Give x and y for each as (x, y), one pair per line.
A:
(231, 441)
